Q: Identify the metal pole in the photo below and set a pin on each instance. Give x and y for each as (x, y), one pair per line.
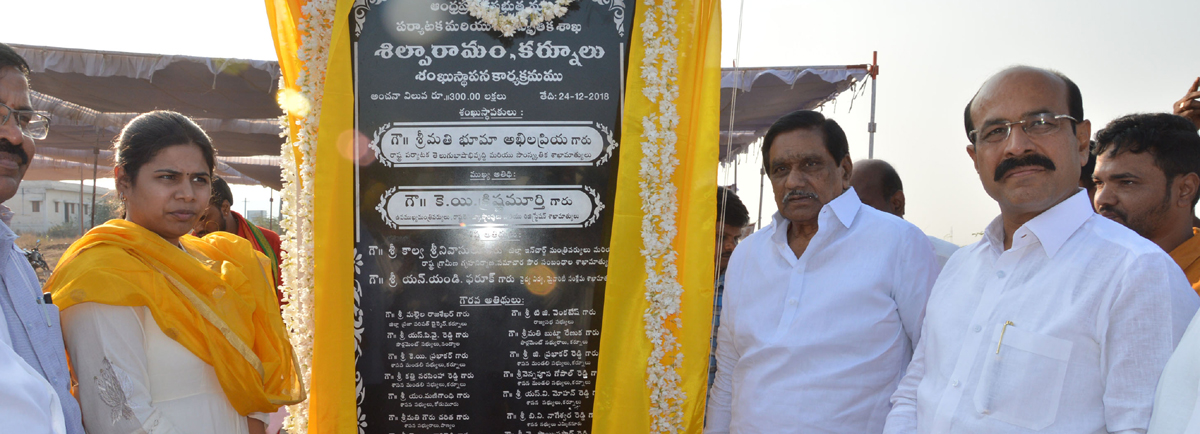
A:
(874, 80)
(735, 171)
(271, 209)
(80, 210)
(95, 163)
(762, 174)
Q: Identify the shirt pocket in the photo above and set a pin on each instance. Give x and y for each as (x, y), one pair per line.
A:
(1023, 384)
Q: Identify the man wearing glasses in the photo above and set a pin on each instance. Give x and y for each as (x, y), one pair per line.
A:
(30, 319)
(1059, 320)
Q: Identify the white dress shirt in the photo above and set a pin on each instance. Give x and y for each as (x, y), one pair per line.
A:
(1176, 408)
(28, 403)
(817, 344)
(943, 250)
(1095, 311)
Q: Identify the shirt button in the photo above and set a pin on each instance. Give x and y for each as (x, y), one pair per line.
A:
(977, 329)
(792, 301)
(1000, 274)
(954, 383)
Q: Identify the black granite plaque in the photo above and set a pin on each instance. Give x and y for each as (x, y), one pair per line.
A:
(484, 191)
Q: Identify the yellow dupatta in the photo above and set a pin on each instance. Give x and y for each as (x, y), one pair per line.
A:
(215, 299)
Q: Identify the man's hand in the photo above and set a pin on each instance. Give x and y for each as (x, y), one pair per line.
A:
(1189, 106)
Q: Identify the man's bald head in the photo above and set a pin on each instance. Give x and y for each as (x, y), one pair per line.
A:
(879, 186)
(1073, 95)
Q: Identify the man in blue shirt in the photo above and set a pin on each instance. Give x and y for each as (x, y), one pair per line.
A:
(732, 216)
(31, 319)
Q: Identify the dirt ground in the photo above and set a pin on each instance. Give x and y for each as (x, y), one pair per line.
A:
(51, 248)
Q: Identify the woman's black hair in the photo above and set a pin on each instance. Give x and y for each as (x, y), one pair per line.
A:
(149, 133)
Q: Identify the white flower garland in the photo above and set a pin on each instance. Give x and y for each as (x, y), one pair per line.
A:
(663, 291)
(524, 18)
(316, 25)
(660, 70)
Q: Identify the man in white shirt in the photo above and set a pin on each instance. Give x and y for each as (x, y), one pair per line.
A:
(28, 404)
(822, 306)
(1059, 320)
(879, 186)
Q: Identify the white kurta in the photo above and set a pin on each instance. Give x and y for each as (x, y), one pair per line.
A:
(134, 377)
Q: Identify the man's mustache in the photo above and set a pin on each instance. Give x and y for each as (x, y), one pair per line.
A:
(799, 194)
(6, 146)
(1112, 210)
(1025, 160)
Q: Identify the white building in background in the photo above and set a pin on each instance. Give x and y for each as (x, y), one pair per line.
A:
(41, 205)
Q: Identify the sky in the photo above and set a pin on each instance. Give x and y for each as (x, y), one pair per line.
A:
(1125, 56)
(211, 28)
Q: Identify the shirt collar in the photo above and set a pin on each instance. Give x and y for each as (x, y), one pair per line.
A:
(1051, 228)
(845, 207)
(6, 215)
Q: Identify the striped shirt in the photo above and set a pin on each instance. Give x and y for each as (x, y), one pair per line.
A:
(712, 354)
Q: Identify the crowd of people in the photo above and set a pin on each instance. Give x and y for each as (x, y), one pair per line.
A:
(1070, 315)
(166, 332)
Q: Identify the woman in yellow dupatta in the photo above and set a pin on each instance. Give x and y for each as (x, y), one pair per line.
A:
(167, 332)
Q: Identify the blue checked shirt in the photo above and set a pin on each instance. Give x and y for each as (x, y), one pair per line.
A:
(33, 324)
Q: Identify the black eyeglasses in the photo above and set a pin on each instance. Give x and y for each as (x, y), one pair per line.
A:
(32, 123)
(1041, 124)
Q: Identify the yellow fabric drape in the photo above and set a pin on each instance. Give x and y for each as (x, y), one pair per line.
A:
(284, 18)
(221, 306)
(622, 396)
(333, 408)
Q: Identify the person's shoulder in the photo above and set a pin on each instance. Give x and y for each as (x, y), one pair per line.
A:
(752, 244)
(886, 226)
(1116, 238)
(228, 243)
(90, 258)
(270, 235)
(942, 246)
(758, 237)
